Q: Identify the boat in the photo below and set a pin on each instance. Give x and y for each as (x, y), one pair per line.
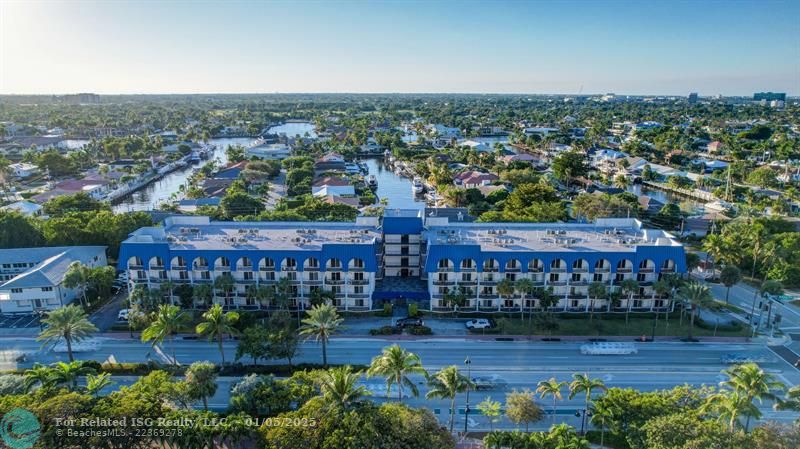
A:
(195, 157)
(372, 182)
(416, 185)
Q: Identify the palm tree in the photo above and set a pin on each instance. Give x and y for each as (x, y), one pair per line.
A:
(696, 295)
(552, 388)
(505, 288)
(730, 276)
(526, 287)
(68, 373)
(621, 182)
(70, 323)
(601, 417)
(715, 246)
(77, 276)
(322, 322)
(339, 388)
(218, 323)
(596, 290)
(40, 375)
(752, 383)
(168, 320)
(224, 284)
(395, 363)
(729, 406)
(791, 401)
(202, 293)
(491, 410)
(201, 380)
(96, 383)
(446, 384)
(583, 383)
(629, 287)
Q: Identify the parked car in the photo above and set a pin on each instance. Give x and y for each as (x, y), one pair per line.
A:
(409, 322)
(123, 315)
(480, 323)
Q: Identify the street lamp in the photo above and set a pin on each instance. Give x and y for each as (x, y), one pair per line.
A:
(583, 414)
(467, 362)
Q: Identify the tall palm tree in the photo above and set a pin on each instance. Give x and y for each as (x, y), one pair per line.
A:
(791, 401)
(168, 320)
(596, 290)
(505, 288)
(68, 373)
(729, 406)
(526, 287)
(730, 276)
(339, 388)
(629, 287)
(70, 323)
(621, 182)
(697, 295)
(396, 364)
(752, 383)
(77, 276)
(601, 417)
(446, 384)
(323, 321)
(216, 324)
(715, 246)
(552, 388)
(583, 383)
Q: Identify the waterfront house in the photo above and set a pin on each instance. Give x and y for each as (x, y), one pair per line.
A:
(332, 185)
(471, 179)
(330, 162)
(95, 188)
(521, 157)
(476, 146)
(335, 199)
(31, 279)
(269, 151)
(38, 143)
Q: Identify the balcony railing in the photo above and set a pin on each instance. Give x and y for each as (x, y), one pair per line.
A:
(489, 282)
(579, 282)
(513, 269)
(311, 268)
(557, 283)
(488, 296)
(333, 268)
(580, 270)
(470, 282)
(443, 269)
(558, 270)
(668, 270)
(602, 270)
(136, 266)
(313, 282)
(355, 269)
(647, 270)
(624, 270)
(267, 268)
(200, 268)
(468, 269)
(358, 295)
(491, 269)
(359, 281)
(334, 281)
(440, 282)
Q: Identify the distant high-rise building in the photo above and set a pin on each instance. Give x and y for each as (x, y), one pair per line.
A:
(769, 96)
(693, 98)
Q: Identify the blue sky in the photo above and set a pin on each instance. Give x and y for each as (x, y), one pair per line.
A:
(667, 47)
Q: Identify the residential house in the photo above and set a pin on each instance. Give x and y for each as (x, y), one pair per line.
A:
(25, 208)
(23, 169)
(269, 151)
(472, 179)
(332, 185)
(31, 279)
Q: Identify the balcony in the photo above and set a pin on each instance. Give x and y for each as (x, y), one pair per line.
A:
(624, 270)
(468, 269)
(491, 269)
(647, 270)
(359, 281)
(440, 282)
(470, 282)
(139, 280)
(316, 268)
(580, 270)
(158, 279)
(444, 269)
(577, 296)
(356, 269)
(513, 269)
(333, 269)
(334, 281)
(558, 270)
(244, 281)
(399, 265)
(668, 270)
(602, 270)
(489, 282)
(291, 268)
(358, 295)
(579, 282)
(200, 268)
(266, 281)
(135, 266)
(178, 268)
(557, 283)
(182, 281)
(203, 281)
(267, 268)
(488, 296)
(312, 282)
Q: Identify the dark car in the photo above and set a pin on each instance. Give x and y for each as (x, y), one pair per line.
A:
(408, 322)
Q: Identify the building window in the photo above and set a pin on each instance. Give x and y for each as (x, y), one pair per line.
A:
(466, 277)
(16, 290)
(598, 277)
(358, 289)
(358, 276)
(248, 275)
(47, 289)
(313, 276)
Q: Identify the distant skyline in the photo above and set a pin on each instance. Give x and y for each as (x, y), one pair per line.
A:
(539, 47)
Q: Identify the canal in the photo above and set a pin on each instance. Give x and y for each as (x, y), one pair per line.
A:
(396, 189)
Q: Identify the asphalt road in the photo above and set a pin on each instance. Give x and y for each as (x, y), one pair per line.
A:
(518, 364)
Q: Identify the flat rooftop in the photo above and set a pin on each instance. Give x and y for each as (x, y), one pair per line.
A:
(609, 235)
(183, 234)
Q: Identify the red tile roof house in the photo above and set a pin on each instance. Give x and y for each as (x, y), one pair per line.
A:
(94, 188)
(471, 179)
(714, 146)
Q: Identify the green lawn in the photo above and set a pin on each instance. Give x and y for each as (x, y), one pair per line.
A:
(605, 326)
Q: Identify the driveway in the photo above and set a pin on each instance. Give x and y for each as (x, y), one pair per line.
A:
(106, 316)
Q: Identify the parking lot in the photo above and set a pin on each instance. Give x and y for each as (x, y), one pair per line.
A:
(19, 321)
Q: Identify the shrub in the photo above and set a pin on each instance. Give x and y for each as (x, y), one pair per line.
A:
(412, 310)
(420, 330)
(384, 330)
